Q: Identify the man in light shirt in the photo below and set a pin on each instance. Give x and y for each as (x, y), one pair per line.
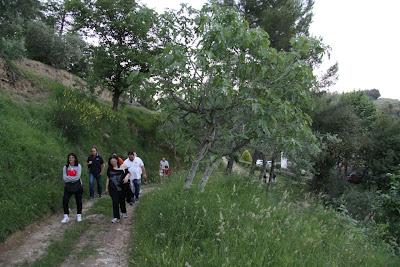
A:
(136, 168)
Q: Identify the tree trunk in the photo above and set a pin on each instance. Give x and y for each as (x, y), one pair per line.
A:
(229, 166)
(195, 165)
(115, 99)
(264, 167)
(62, 23)
(211, 166)
(253, 162)
(272, 169)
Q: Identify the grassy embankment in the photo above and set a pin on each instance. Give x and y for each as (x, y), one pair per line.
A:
(238, 222)
(33, 146)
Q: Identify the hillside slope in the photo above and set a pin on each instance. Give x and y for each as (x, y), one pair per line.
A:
(41, 121)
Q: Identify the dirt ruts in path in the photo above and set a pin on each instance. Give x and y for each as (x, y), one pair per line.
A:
(30, 244)
(105, 244)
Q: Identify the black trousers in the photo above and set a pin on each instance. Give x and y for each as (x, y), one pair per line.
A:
(78, 200)
(118, 201)
(128, 194)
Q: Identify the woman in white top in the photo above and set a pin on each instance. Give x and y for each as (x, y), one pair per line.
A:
(72, 186)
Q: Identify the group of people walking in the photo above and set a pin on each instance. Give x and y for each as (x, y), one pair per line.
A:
(123, 181)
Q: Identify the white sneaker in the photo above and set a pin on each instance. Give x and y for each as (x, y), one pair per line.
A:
(124, 216)
(115, 220)
(65, 219)
(78, 217)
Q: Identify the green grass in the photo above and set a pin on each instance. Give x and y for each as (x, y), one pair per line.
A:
(33, 150)
(237, 222)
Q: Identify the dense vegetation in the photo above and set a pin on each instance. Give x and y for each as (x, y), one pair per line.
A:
(238, 222)
(36, 137)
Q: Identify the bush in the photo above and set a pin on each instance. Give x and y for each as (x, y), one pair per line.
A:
(11, 48)
(77, 114)
(358, 202)
(246, 156)
(387, 208)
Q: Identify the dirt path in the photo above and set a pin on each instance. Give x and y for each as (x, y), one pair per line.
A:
(105, 244)
(30, 244)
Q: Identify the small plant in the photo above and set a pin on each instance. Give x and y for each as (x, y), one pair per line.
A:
(246, 156)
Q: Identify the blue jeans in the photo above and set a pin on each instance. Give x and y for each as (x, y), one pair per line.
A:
(136, 186)
(91, 184)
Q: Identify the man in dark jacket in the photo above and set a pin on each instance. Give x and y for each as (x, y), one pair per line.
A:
(95, 164)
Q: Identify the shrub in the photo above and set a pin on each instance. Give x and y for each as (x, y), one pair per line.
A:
(11, 48)
(387, 208)
(246, 156)
(77, 114)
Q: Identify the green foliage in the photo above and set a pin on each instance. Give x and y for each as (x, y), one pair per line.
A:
(13, 17)
(33, 148)
(363, 107)
(11, 48)
(236, 223)
(246, 156)
(44, 45)
(282, 20)
(387, 209)
(250, 100)
(383, 151)
(373, 94)
(388, 106)
(77, 114)
(126, 42)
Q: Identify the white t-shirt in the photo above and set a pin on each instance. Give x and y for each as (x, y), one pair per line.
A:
(134, 167)
(163, 164)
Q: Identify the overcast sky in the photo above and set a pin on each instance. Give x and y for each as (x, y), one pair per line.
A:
(364, 36)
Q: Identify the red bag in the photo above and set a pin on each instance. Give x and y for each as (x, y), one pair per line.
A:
(71, 172)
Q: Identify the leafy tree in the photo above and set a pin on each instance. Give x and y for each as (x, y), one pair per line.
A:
(213, 68)
(341, 132)
(43, 44)
(57, 16)
(382, 155)
(373, 94)
(13, 16)
(124, 31)
(363, 107)
(281, 19)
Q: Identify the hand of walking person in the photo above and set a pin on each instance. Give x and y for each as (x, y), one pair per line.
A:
(126, 180)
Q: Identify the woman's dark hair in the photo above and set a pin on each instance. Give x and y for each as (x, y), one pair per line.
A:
(110, 167)
(76, 159)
